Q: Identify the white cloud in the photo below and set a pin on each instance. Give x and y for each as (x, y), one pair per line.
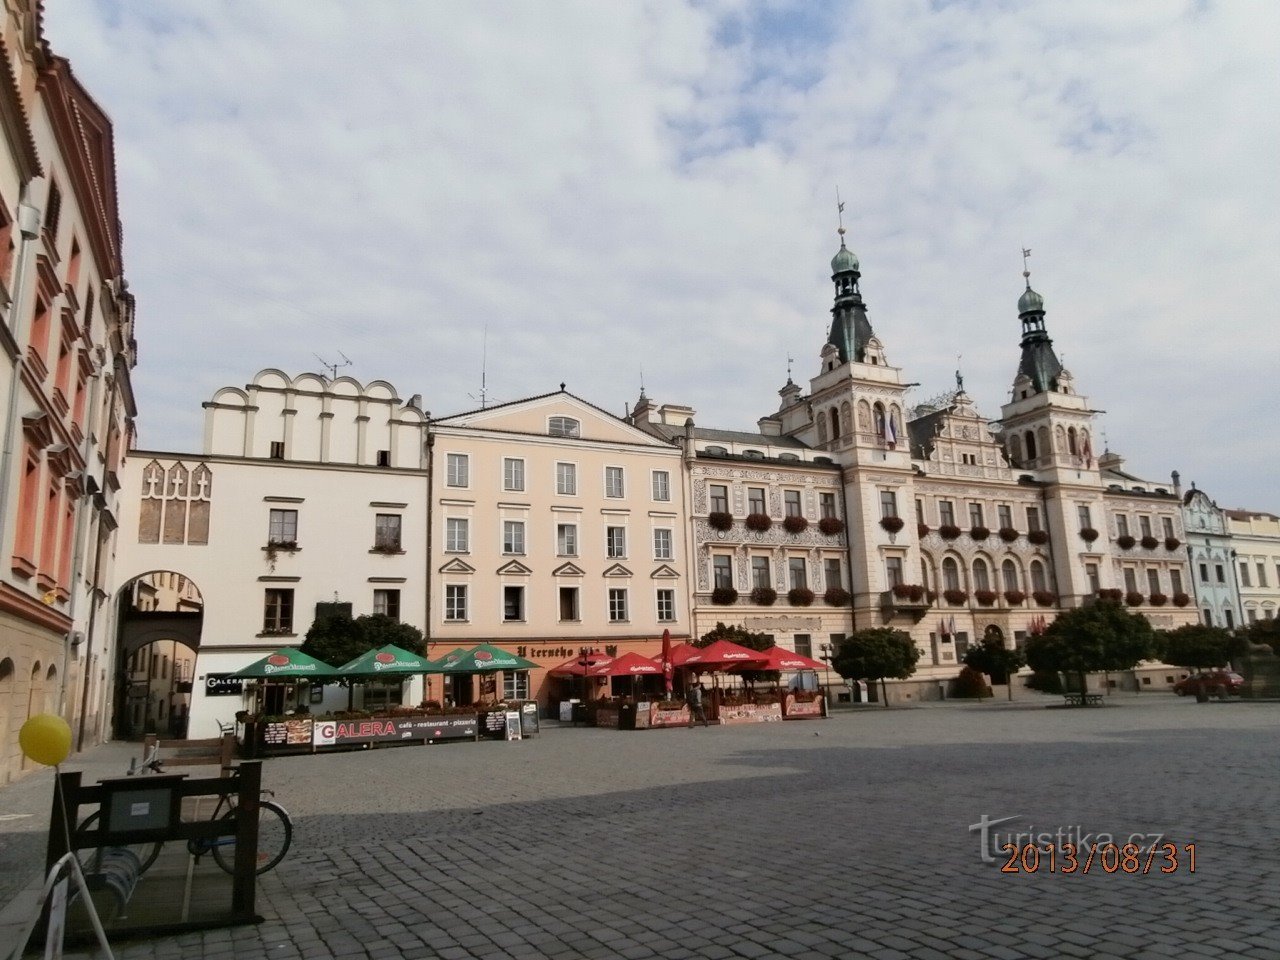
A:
(611, 186)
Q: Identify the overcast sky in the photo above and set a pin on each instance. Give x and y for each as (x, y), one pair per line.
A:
(621, 190)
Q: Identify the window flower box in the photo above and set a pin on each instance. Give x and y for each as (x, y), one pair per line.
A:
(985, 597)
(1125, 542)
(1046, 598)
(1181, 599)
(1150, 543)
(759, 522)
(1114, 596)
(979, 533)
(800, 596)
(922, 530)
(1134, 599)
(1172, 543)
(764, 596)
(1038, 537)
(892, 524)
(387, 548)
(956, 598)
(724, 596)
(1158, 599)
(1088, 534)
(949, 531)
(836, 597)
(1008, 534)
(795, 524)
(719, 520)
(908, 591)
(831, 526)
(1014, 597)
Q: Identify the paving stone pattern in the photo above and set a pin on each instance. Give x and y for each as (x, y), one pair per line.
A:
(840, 838)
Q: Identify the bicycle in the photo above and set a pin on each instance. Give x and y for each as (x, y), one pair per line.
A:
(275, 830)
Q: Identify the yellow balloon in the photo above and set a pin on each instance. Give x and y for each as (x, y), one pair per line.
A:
(45, 738)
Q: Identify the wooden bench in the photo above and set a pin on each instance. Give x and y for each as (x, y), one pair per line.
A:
(183, 753)
(1078, 699)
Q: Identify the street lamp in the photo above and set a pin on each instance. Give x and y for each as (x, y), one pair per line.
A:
(828, 651)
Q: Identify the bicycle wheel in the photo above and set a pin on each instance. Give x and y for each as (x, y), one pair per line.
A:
(90, 857)
(275, 833)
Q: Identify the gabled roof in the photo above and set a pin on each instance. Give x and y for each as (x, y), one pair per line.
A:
(506, 418)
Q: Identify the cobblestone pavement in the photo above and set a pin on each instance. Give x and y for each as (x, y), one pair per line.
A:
(840, 838)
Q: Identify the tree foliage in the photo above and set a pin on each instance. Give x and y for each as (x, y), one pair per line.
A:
(743, 638)
(337, 639)
(992, 657)
(876, 654)
(1264, 631)
(1198, 646)
(1101, 636)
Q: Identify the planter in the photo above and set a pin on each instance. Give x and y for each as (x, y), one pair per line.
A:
(759, 522)
(749, 712)
(908, 591)
(956, 598)
(922, 530)
(1088, 534)
(831, 526)
(1014, 597)
(1008, 534)
(794, 708)
(1133, 598)
(764, 596)
(1126, 542)
(1150, 543)
(667, 713)
(724, 596)
(1046, 598)
(979, 533)
(1113, 595)
(836, 597)
(985, 597)
(719, 520)
(1158, 599)
(1038, 537)
(948, 531)
(892, 524)
(795, 524)
(1172, 543)
(1181, 599)
(800, 597)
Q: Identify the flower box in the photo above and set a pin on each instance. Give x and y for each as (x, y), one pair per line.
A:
(1038, 537)
(836, 597)
(1113, 595)
(979, 533)
(759, 522)
(1125, 542)
(795, 524)
(800, 596)
(1172, 543)
(1014, 597)
(908, 591)
(719, 520)
(1134, 599)
(764, 596)
(1088, 534)
(724, 596)
(955, 597)
(1046, 598)
(1008, 534)
(831, 526)
(1158, 599)
(922, 530)
(1181, 599)
(892, 524)
(949, 531)
(985, 597)
(1150, 543)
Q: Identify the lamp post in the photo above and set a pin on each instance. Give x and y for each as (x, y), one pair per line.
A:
(825, 657)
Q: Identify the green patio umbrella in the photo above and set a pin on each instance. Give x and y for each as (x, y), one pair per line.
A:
(483, 658)
(388, 661)
(286, 663)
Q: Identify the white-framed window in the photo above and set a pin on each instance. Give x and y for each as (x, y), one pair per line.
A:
(1038, 580)
(277, 611)
(888, 503)
(1033, 519)
(666, 606)
(976, 515)
(569, 605)
(1122, 525)
(512, 603)
(797, 574)
(719, 498)
(1130, 579)
(661, 485)
(1009, 570)
(387, 603)
(564, 427)
(1175, 580)
(515, 685)
(1004, 514)
(1094, 578)
(950, 574)
(386, 531)
(457, 535)
(458, 470)
(455, 602)
(761, 574)
(1144, 524)
(755, 500)
(827, 505)
(513, 536)
(615, 539)
(1084, 515)
(283, 527)
(893, 571)
(513, 474)
(721, 571)
(1153, 580)
(791, 503)
(567, 479)
(1167, 523)
(567, 539)
(981, 576)
(617, 604)
(614, 482)
(833, 572)
(661, 543)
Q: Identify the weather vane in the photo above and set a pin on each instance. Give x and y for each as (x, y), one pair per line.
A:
(1026, 270)
(840, 213)
(959, 376)
(790, 360)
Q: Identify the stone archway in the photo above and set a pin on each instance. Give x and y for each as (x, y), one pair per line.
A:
(161, 617)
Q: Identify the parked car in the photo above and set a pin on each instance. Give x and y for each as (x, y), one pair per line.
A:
(1210, 682)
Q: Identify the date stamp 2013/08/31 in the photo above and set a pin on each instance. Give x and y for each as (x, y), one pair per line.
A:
(1098, 857)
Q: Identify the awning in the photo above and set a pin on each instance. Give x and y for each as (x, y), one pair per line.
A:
(483, 658)
(286, 663)
(627, 665)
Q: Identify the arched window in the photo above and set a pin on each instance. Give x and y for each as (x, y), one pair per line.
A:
(950, 574)
(878, 419)
(981, 580)
(1038, 582)
(1072, 447)
(925, 579)
(835, 424)
(846, 417)
(1042, 440)
(1015, 450)
(1031, 447)
(864, 417)
(563, 427)
(822, 429)
(1009, 570)
(1059, 439)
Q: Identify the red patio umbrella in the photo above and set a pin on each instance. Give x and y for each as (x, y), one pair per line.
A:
(667, 668)
(720, 655)
(576, 667)
(627, 665)
(787, 661)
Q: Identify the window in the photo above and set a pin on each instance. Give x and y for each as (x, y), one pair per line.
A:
(512, 603)
(950, 574)
(1208, 617)
(946, 513)
(1033, 519)
(1251, 615)
(617, 605)
(804, 644)
(1038, 581)
(969, 459)
(661, 544)
(457, 535)
(893, 571)
(666, 606)
(833, 573)
(1244, 575)
(1131, 580)
(661, 485)
(277, 611)
(567, 539)
(567, 479)
(455, 602)
(1168, 526)
(1009, 572)
(721, 571)
(277, 450)
(1144, 524)
(975, 515)
(919, 510)
(1086, 520)
(1262, 574)
(1153, 581)
(512, 474)
(614, 485)
(888, 503)
(513, 536)
(53, 211)
(563, 427)
(615, 540)
(569, 603)
(796, 573)
(791, 502)
(457, 473)
(386, 531)
(755, 500)
(761, 575)
(719, 498)
(1204, 573)
(981, 577)
(387, 603)
(1122, 525)
(1221, 572)
(283, 527)
(515, 685)
(1231, 620)
(1175, 580)
(1091, 574)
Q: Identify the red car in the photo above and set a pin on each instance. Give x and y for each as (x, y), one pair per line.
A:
(1210, 682)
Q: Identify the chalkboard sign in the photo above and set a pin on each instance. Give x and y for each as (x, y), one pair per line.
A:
(513, 724)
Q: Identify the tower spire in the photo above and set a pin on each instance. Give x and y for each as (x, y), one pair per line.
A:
(1040, 364)
(850, 328)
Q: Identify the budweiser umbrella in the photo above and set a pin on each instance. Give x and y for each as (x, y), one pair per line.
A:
(577, 668)
(286, 663)
(627, 665)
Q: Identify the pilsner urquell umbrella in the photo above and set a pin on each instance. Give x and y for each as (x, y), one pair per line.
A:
(286, 663)
(387, 661)
(482, 658)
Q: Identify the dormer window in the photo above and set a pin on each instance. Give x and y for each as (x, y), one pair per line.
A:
(716, 451)
(563, 427)
(753, 454)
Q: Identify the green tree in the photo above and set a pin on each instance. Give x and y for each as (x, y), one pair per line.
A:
(337, 639)
(743, 638)
(1101, 636)
(876, 654)
(1264, 631)
(1198, 646)
(992, 657)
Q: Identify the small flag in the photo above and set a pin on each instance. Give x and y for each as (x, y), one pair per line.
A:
(890, 434)
(1087, 450)
(953, 625)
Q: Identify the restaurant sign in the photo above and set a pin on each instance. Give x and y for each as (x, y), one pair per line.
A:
(332, 733)
(222, 685)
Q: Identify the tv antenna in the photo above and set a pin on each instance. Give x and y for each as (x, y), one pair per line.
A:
(484, 365)
(333, 368)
